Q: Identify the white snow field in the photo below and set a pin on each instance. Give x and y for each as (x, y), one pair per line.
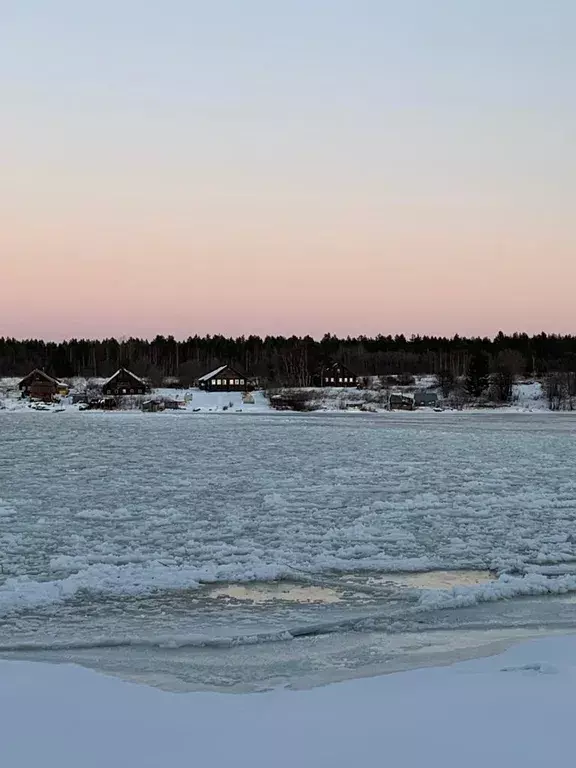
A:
(514, 710)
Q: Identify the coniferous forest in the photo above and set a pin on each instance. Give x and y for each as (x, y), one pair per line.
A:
(287, 360)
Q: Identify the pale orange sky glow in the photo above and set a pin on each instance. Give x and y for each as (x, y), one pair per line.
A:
(257, 180)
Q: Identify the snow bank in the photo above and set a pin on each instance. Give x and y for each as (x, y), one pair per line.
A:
(513, 710)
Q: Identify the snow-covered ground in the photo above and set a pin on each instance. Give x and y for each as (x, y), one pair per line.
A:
(193, 400)
(514, 710)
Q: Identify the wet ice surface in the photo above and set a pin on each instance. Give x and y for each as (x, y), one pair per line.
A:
(239, 552)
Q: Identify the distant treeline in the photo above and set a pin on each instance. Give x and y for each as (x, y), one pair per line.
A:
(285, 360)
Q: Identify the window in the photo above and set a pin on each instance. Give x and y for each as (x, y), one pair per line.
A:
(241, 381)
(218, 382)
(340, 380)
(236, 382)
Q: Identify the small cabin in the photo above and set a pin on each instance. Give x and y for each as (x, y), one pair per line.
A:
(400, 402)
(152, 406)
(335, 374)
(225, 379)
(101, 404)
(425, 399)
(161, 404)
(124, 382)
(38, 385)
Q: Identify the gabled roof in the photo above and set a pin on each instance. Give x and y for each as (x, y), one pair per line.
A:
(43, 375)
(332, 364)
(213, 373)
(208, 376)
(126, 371)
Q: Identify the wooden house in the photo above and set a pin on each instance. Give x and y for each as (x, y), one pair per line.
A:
(123, 382)
(225, 379)
(39, 386)
(335, 374)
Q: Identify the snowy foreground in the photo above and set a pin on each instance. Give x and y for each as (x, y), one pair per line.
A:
(513, 710)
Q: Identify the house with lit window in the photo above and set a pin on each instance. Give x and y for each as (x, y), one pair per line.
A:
(124, 382)
(335, 374)
(226, 379)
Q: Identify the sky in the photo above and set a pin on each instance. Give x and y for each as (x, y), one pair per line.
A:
(280, 167)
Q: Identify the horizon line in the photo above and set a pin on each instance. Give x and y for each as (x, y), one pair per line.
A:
(122, 339)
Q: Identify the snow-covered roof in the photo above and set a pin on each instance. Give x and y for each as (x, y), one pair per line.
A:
(213, 373)
(123, 370)
(44, 375)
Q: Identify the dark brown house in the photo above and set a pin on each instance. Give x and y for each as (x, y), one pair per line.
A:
(124, 383)
(225, 379)
(335, 374)
(39, 386)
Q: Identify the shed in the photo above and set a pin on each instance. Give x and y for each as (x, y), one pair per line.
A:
(400, 402)
(425, 398)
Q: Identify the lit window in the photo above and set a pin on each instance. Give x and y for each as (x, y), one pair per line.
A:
(241, 381)
(218, 382)
(236, 381)
(340, 380)
(346, 379)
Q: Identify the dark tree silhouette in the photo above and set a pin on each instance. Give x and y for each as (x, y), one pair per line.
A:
(446, 381)
(477, 374)
(279, 360)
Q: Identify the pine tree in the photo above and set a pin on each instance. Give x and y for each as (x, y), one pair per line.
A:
(477, 374)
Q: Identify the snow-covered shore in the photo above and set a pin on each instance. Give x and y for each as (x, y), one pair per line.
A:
(513, 710)
(527, 398)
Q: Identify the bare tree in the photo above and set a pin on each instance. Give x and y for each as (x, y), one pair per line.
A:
(295, 368)
(560, 390)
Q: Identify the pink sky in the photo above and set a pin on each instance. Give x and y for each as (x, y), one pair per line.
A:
(351, 173)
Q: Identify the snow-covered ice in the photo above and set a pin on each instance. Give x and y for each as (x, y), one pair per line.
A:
(124, 503)
(119, 531)
(513, 710)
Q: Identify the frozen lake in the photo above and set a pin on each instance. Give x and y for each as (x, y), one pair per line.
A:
(239, 551)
